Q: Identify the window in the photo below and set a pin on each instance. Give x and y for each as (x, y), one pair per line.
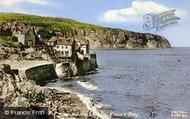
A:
(66, 46)
(57, 46)
(82, 52)
(62, 47)
(67, 53)
(62, 53)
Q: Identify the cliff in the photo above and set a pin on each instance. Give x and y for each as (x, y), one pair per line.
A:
(117, 38)
(99, 36)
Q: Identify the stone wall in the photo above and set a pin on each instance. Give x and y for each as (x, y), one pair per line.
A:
(87, 65)
(93, 61)
(42, 74)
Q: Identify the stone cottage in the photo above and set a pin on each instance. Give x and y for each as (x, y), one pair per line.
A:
(26, 36)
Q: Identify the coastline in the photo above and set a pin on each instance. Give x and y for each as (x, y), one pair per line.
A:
(91, 106)
(61, 103)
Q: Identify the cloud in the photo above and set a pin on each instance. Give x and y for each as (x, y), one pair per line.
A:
(19, 6)
(13, 2)
(135, 13)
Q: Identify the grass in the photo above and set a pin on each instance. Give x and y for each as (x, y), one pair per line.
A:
(8, 42)
(48, 23)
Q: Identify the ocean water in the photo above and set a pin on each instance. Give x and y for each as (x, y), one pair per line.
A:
(152, 84)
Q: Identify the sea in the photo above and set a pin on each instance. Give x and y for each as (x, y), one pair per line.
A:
(143, 84)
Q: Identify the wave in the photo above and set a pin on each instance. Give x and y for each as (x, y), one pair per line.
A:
(90, 104)
(87, 85)
(94, 107)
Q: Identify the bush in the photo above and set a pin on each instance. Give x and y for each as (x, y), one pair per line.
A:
(9, 42)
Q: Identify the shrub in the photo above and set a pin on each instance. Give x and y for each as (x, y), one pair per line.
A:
(9, 42)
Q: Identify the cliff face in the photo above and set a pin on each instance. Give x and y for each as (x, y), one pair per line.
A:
(116, 38)
(99, 36)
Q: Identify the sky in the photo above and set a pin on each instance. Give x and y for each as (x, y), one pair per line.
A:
(124, 14)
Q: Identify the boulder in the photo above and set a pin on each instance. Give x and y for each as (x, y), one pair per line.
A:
(5, 68)
(20, 102)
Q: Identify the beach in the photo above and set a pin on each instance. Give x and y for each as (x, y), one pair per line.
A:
(61, 104)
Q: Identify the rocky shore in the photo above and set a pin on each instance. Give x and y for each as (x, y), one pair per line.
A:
(10, 53)
(16, 91)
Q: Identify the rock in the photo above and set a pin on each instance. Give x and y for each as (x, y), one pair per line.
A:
(61, 70)
(73, 68)
(25, 93)
(152, 44)
(20, 102)
(27, 54)
(117, 38)
(6, 68)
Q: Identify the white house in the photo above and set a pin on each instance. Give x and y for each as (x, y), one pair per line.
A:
(83, 49)
(64, 47)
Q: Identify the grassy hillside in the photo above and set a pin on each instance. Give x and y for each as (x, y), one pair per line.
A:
(9, 42)
(48, 23)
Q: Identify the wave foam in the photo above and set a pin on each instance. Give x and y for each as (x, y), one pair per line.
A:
(87, 85)
(90, 104)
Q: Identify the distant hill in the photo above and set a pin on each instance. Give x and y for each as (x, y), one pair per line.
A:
(98, 36)
(50, 23)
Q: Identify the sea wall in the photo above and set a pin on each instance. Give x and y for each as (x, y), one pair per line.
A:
(78, 68)
(93, 61)
(87, 65)
(41, 74)
(45, 73)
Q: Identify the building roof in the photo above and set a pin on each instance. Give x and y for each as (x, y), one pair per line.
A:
(58, 33)
(64, 41)
(23, 29)
(53, 39)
